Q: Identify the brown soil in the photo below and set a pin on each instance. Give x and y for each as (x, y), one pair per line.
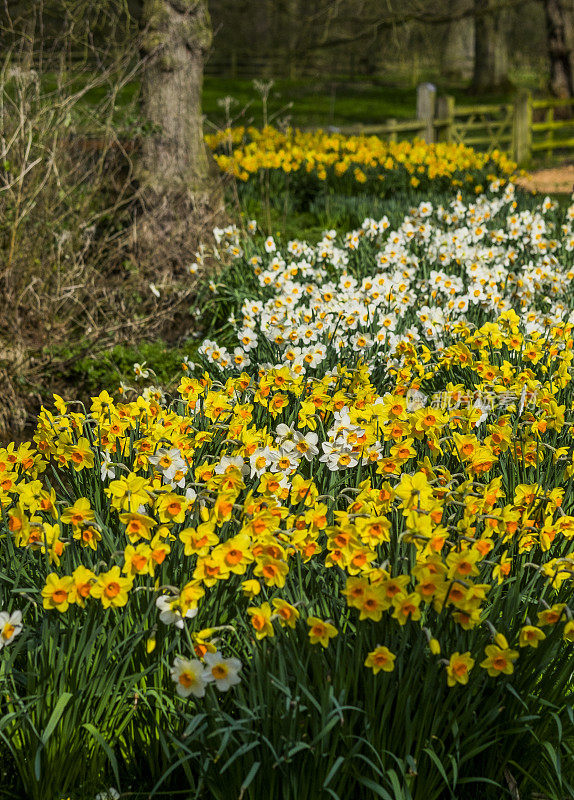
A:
(550, 181)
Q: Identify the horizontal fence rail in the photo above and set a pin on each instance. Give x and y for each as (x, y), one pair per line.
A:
(553, 126)
(522, 128)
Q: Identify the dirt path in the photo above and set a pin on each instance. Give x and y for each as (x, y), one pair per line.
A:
(550, 181)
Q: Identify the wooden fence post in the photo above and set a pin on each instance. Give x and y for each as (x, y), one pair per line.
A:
(550, 134)
(426, 102)
(445, 114)
(521, 128)
(391, 124)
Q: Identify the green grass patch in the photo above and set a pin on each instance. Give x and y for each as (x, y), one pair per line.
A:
(324, 102)
(92, 373)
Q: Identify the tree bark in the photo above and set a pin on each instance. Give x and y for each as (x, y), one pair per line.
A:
(559, 31)
(458, 44)
(177, 182)
(490, 48)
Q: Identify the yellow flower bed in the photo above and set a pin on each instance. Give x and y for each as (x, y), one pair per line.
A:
(320, 515)
(244, 152)
(235, 492)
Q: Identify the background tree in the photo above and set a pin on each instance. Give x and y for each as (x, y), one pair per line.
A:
(490, 47)
(559, 15)
(395, 40)
(457, 48)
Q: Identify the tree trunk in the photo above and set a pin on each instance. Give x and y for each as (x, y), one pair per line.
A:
(292, 37)
(559, 31)
(458, 44)
(178, 186)
(490, 48)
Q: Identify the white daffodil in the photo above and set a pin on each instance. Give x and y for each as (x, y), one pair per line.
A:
(231, 462)
(106, 467)
(189, 677)
(140, 371)
(222, 671)
(337, 456)
(108, 794)
(170, 611)
(306, 444)
(10, 627)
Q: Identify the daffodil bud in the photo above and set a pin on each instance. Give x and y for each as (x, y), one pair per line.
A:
(434, 645)
(251, 588)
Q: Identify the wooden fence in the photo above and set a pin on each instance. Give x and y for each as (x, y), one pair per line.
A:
(525, 128)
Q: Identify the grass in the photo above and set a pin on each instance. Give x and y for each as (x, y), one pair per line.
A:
(333, 102)
(116, 366)
(327, 102)
(326, 212)
(323, 102)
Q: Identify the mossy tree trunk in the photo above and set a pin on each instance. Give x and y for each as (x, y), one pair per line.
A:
(179, 187)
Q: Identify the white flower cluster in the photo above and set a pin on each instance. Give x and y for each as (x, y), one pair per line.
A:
(290, 448)
(193, 676)
(465, 263)
(171, 465)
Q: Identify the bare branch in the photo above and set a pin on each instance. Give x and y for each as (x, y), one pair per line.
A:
(370, 28)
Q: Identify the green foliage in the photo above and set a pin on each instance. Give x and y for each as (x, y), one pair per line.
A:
(67, 696)
(336, 102)
(91, 374)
